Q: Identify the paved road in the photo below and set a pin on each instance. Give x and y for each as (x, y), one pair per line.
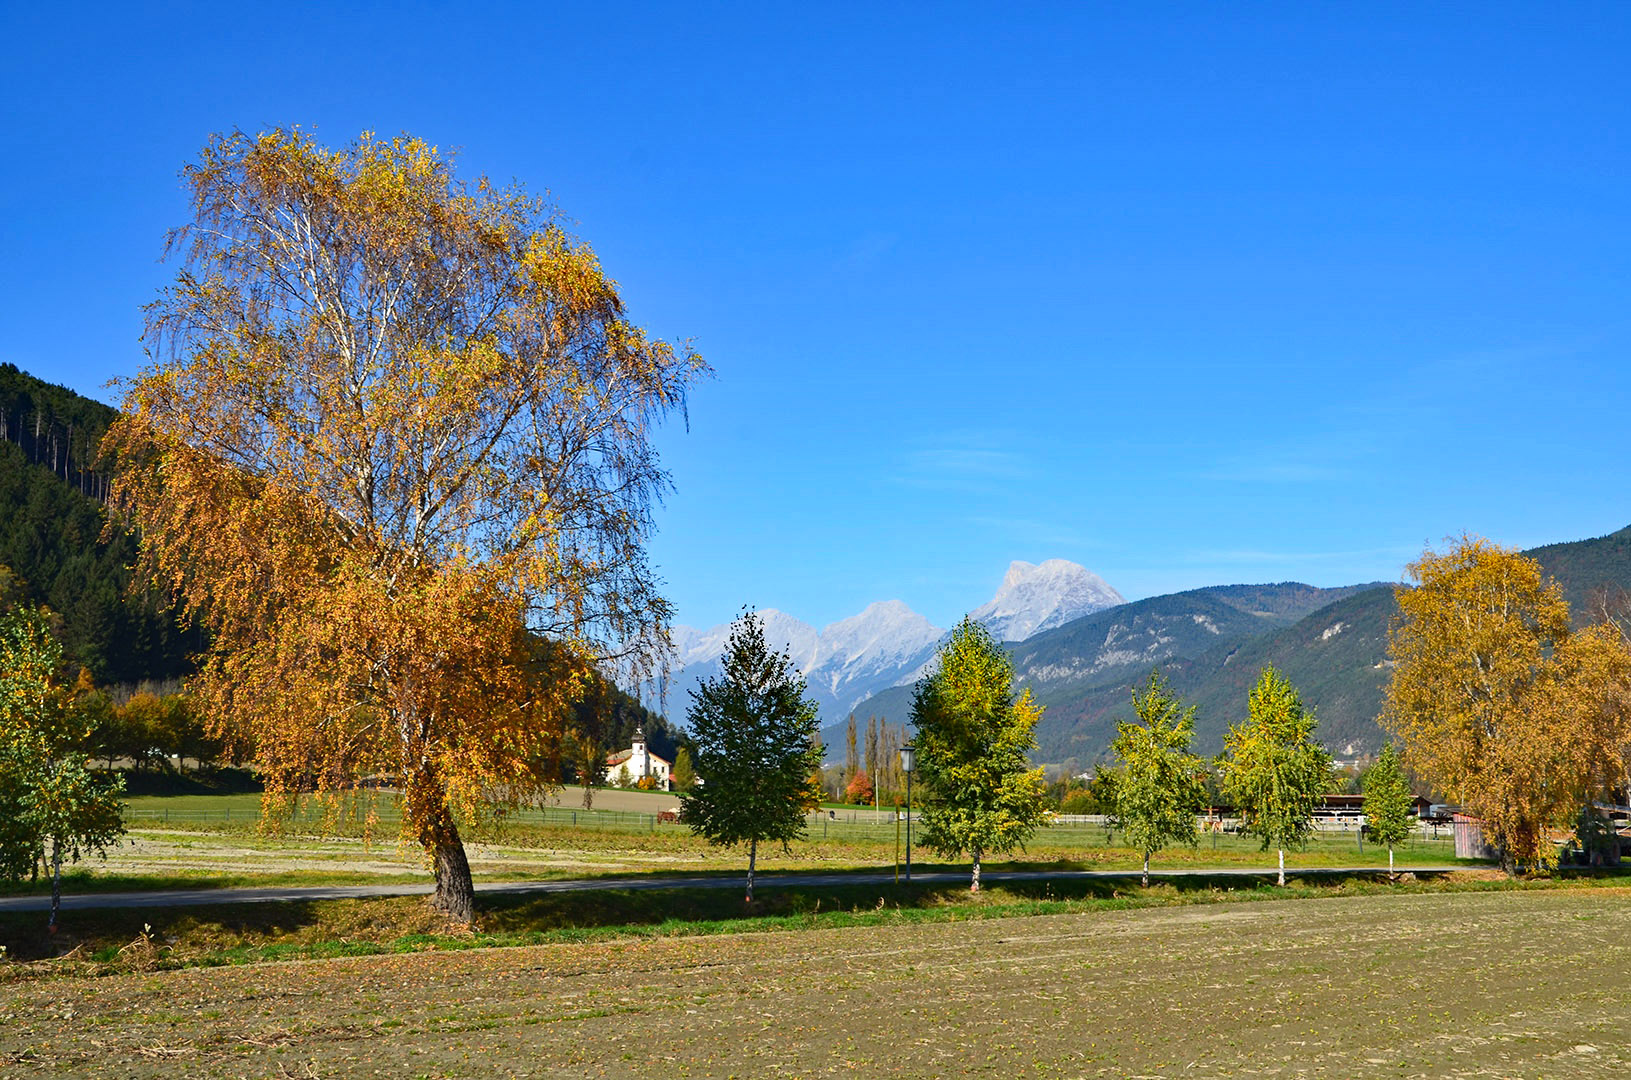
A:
(194, 897)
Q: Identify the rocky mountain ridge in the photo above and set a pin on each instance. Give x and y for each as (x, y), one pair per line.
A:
(887, 644)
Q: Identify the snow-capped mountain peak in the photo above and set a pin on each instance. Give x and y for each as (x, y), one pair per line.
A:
(1037, 597)
(888, 643)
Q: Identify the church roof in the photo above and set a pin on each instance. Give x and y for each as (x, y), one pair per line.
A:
(623, 755)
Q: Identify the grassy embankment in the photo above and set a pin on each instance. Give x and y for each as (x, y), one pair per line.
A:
(99, 941)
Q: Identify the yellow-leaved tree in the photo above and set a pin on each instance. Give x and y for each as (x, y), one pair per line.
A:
(1499, 703)
(394, 450)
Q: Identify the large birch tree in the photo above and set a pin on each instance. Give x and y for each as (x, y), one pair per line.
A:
(396, 431)
(1499, 703)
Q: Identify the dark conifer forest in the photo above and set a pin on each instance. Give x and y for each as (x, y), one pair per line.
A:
(53, 547)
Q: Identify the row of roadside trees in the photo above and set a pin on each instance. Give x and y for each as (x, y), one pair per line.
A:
(754, 729)
(1273, 772)
(1493, 699)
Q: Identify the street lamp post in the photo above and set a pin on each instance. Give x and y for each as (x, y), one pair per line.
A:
(908, 759)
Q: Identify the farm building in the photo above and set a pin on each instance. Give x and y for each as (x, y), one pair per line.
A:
(1340, 807)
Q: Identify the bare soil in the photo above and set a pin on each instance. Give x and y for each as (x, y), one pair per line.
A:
(1528, 983)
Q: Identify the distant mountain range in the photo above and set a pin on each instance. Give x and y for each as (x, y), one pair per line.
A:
(1075, 641)
(1331, 644)
(888, 644)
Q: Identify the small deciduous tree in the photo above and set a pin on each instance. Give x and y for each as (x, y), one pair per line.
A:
(753, 730)
(397, 432)
(684, 775)
(859, 789)
(973, 740)
(1388, 801)
(52, 805)
(1158, 787)
(1273, 771)
(1498, 703)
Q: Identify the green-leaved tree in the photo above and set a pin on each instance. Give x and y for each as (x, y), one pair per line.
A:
(973, 741)
(51, 804)
(1388, 802)
(1158, 787)
(753, 730)
(684, 775)
(1273, 771)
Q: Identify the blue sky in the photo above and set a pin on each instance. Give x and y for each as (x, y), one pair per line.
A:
(1189, 294)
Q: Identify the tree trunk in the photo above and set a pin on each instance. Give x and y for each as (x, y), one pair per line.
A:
(1282, 866)
(455, 891)
(975, 885)
(425, 805)
(753, 858)
(56, 884)
(1390, 862)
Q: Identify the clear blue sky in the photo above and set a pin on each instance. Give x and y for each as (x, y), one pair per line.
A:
(1189, 294)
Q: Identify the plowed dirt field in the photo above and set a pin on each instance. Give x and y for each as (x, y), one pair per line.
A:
(1501, 984)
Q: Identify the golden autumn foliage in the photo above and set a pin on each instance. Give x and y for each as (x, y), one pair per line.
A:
(395, 453)
(1498, 702)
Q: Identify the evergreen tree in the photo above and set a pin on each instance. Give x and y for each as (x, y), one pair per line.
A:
(1388, 802)
(753, 730)
(1273, 770)
(973, 738)
(1158, 788)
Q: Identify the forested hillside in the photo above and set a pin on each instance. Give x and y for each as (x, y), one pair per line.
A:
(52, 545)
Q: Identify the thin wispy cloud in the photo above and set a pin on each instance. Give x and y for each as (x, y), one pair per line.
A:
(961, 461)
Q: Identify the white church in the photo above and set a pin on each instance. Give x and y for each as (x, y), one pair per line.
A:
(640, 763)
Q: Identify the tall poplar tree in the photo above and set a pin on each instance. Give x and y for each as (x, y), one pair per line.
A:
(1273, 771)
(974, 737)
(1158, 786)
(753, 731)
(398, 429)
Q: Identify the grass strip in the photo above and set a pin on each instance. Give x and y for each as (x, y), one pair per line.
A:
(104, 942)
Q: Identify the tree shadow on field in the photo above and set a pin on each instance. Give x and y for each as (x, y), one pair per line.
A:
(562, 913)
(157, 937)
